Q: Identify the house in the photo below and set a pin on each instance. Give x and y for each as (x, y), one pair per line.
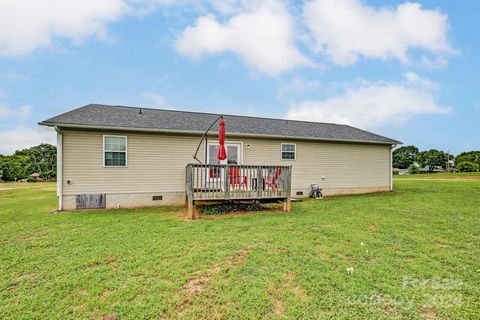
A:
(116, 156)
(400, 171)
(437, 169)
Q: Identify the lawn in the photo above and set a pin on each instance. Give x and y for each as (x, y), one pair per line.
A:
(441, 175)
(414, 253)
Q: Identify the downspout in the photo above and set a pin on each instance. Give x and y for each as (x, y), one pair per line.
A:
(59, 168)
(391, 166)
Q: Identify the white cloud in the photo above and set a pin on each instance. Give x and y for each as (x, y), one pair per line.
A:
(27, 25)
(349, 29)
(22, 112)
(374, 104)
(433, 63)
(232, 6)
(21, 137)
(414, 79)
(157, 99)
(262, 37)
(298, 85)
(25, 111)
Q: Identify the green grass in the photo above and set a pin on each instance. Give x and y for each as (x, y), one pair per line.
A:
(452, 175)
(415, 254)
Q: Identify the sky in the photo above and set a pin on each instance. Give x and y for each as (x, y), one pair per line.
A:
(406, 70)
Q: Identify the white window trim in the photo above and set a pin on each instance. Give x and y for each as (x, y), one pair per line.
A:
(126, 150)
(295, 152)
(237, 143)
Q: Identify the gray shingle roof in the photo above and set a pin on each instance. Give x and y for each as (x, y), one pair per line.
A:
(120, 117)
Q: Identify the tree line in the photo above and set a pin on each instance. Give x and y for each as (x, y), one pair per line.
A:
(41, 159)
(409, 157)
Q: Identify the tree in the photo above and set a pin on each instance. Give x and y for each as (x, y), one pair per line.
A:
(43, 160)
(467, 166)
(432, 159)
(403, 157)
(13, 168)
(471, 156)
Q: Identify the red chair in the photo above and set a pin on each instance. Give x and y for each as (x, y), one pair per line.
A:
(272, 181)
(214, 172)
(235, 178)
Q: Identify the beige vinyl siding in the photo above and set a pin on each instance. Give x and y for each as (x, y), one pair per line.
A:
(156, 163)
(344, 165)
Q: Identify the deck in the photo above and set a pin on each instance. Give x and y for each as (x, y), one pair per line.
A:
(207, 182)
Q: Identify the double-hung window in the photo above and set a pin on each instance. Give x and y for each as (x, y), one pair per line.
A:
(289, 151)
(114, 151)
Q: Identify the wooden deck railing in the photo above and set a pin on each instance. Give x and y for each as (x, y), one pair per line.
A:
(237, 182)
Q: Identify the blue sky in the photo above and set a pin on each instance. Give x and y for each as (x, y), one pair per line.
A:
(409, 71)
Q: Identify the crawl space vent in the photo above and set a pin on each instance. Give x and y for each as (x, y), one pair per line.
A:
(91, 201)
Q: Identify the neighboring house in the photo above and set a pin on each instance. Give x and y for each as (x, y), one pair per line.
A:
(400, 171)
(131, 157)
(437, 169)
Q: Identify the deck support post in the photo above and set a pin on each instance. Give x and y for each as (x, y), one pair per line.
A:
(287, 204)
(191, 210)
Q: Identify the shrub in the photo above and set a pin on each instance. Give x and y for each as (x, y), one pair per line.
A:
(413, 169)
(467, 166)
(232, 206)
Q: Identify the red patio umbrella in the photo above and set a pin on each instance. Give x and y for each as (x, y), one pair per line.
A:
(222, 153)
